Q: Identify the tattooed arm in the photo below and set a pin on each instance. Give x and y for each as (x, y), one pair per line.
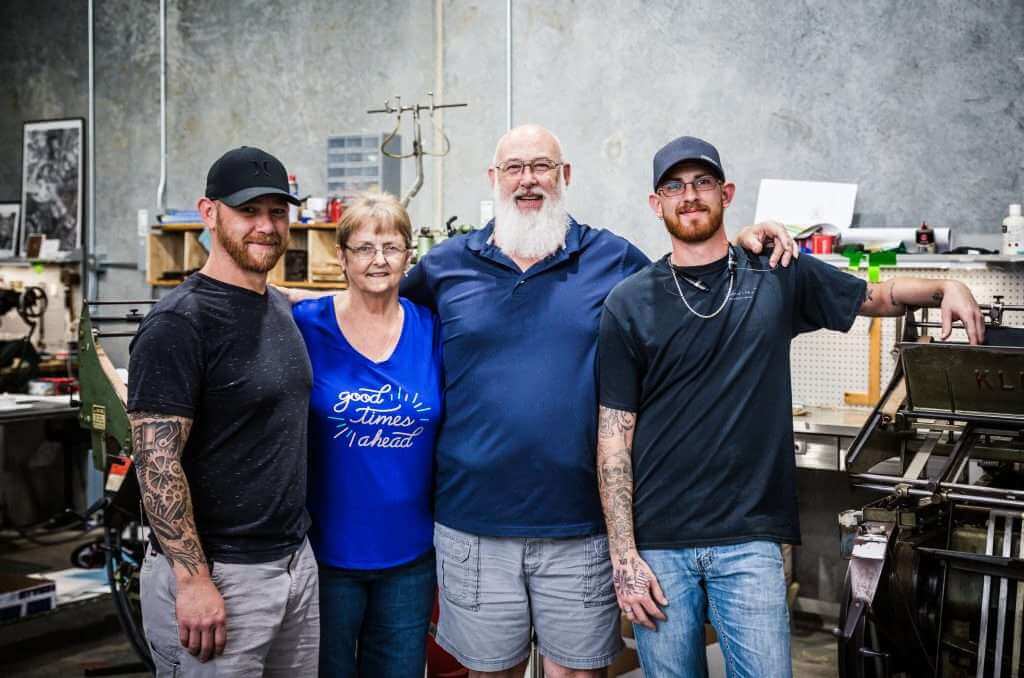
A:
(157, 442)
(636, 587)
(891, 298)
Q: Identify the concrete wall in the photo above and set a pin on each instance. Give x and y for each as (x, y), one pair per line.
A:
(920, 103)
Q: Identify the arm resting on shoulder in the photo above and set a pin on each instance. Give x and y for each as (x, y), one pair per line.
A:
(754, 238)
(158, 441)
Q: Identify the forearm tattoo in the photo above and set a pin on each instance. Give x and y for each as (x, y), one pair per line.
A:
(157, 442)
(615, 477)
(612, 423)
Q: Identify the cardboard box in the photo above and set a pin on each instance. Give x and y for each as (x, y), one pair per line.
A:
(21, 596)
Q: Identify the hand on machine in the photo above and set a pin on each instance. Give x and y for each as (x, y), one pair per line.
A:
(935, 584)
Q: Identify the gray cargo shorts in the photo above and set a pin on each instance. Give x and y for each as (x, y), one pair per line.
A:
(494, 588)
(273, 618)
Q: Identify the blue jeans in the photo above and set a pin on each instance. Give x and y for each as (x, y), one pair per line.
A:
(741, 589)
(374, 624)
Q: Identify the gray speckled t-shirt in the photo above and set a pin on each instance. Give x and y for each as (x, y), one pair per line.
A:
(233, 361)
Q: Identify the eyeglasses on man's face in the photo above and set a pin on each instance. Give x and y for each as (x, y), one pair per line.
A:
(674, 187)
(539, 167)
(369, 252)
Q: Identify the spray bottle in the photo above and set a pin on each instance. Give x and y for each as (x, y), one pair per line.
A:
(1013, 232)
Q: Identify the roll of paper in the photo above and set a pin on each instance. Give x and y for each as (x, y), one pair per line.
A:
(891, 237)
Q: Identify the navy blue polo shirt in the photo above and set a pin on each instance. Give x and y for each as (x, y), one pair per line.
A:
(516, 449)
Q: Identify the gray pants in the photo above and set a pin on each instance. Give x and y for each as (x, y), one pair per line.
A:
(273, 618)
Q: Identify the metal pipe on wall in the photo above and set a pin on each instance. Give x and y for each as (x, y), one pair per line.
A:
(161, 191)
(90, 280)
(508, 65)
(439, 122)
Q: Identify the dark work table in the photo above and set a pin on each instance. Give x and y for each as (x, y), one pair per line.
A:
(18, 407)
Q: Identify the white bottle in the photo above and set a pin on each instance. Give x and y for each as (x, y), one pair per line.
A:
(1013, 232)
(293, 188)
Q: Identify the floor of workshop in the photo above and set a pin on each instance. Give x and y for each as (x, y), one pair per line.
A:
(87, 635)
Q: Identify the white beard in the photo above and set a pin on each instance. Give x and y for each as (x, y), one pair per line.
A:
(530, 235)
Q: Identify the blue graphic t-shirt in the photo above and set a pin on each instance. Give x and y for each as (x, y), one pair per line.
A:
(372, 428)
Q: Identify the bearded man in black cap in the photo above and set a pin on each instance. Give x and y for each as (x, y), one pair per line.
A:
(695, 436)
(218, 396)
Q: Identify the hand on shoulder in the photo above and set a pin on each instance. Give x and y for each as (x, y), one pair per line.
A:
(295, 294)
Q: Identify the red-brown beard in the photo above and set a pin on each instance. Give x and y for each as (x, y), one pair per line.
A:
(246, 260)
(695, 231)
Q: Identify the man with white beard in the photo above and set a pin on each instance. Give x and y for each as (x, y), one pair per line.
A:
(518, 525)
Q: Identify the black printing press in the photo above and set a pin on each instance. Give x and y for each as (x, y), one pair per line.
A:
(935, 584)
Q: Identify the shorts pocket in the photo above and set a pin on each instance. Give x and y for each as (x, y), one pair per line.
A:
(597, 580)
(165, 664)
(459, 557)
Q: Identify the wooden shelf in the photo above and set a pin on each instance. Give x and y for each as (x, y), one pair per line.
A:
(176, 247)
(300, 285)
(317, 225)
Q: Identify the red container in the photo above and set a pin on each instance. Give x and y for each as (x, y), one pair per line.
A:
(335, 210)
(821, 243)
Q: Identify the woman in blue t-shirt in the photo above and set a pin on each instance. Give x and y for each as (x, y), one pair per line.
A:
(374, 410)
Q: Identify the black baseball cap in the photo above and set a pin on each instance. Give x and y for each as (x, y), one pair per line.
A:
(683, 149)
(245, 173)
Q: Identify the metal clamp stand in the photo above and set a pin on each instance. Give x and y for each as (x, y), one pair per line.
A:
(417, 140)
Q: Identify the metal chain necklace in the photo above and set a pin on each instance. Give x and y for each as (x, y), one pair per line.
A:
(728, 293)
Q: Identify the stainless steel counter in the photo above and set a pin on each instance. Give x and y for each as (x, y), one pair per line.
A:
(822, 436)
(827, 421)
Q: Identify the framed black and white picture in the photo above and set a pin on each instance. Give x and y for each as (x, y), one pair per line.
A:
(53, 153)
(9, 212)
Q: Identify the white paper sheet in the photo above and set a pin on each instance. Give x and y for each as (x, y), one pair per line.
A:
(805, 203)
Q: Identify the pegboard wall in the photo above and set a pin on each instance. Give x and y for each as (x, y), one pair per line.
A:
(827, 364)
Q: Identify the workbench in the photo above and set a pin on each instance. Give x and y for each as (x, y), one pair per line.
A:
(821, 438)
(822, 435)
(37, 408)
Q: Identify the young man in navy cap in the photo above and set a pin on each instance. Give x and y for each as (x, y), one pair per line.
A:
(695, 437)
(218, 395)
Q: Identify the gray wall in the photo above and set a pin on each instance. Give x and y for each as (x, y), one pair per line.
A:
(921, 103)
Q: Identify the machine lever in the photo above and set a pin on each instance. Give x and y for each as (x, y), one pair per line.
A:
(853, 617)
(873, 654)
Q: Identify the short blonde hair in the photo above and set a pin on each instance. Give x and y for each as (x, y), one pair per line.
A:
(382, 209)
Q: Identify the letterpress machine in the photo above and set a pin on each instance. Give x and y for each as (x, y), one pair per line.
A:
(935, 583)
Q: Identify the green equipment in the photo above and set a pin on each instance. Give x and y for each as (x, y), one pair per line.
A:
(103, 396)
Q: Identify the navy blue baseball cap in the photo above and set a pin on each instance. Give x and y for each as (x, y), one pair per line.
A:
(245, 173)
(683, 149)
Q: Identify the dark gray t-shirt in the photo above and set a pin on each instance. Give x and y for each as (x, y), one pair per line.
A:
(234, 362)
(713, 446)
